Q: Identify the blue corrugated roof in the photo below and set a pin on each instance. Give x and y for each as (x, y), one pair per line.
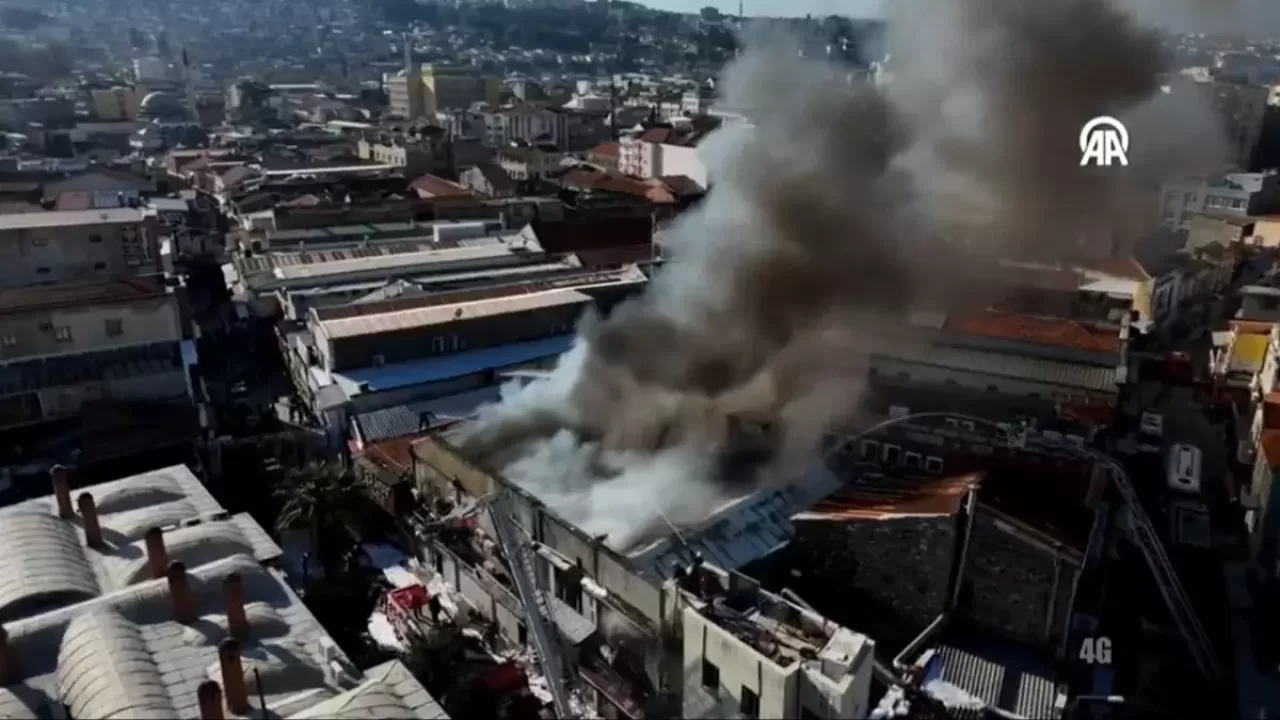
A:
(417, 372)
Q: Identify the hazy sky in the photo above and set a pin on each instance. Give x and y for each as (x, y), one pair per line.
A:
(800, 8)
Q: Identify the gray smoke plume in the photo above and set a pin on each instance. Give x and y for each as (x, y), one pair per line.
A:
(834, 210)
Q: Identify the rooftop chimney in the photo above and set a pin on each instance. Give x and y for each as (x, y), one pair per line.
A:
(184, 603)
(233, 595)
(62, 491)
(233, 676)
(7, 673)
(210, 696)
(157, 556)
(89, 514)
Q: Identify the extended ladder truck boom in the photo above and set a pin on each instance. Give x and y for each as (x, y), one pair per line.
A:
(533, 599)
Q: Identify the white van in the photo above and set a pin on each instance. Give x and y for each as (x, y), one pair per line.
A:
(1184, 469)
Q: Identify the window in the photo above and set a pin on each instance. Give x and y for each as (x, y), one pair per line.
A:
(379, 360)
(62, 333)
(95, 238)
(750, 705)
(42, 270)
(437, 345)
(710, 676)
(892, 454)
(870, 450)
(933, 464)
(522, 634)
(913, 460)
(114, 327)
(10, 341)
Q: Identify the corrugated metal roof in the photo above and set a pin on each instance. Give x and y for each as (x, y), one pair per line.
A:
(1015, 367)
(441, 314)
(573, 626)
(447, 367)
(403, 420)
(743, 531)
(882, 497)
(1020, 692)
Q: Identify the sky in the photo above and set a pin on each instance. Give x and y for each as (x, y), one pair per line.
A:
(775, 8)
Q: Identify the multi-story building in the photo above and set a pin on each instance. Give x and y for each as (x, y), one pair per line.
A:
(528, 124)
(688, 636)
(661, 152)
(531, 162)
(418, 153)
(423, 91)
(117, 103)
(87, 314)
(1237, 195)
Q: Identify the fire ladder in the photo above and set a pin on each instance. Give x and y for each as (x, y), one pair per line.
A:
(1166, 578)
(533, 599)
(1143, 533)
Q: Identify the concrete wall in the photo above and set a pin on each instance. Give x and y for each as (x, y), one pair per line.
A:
(1019, 587)
(740, 667)
(86, 329)
(904, 565)
(65, 401)
(1016, 584)
(78, 253)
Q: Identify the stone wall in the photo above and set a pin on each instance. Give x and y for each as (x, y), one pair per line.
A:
(902, 564)
(1013, 584)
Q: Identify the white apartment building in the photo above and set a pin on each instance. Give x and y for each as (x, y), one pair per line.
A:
(1235, 194)
(646, 154)
(526, 123)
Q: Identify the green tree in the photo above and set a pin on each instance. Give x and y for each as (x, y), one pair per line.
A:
(324, 499)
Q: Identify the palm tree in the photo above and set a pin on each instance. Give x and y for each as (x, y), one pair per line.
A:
(323, 498)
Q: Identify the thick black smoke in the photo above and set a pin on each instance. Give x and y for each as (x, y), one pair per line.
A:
(836, 209)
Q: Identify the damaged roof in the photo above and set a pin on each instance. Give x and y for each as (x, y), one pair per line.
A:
(1037, 330)
(878, 496)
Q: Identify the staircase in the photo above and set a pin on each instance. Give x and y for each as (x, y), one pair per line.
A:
(537, 607)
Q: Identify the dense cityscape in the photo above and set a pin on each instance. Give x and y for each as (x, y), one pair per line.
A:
(578, 359)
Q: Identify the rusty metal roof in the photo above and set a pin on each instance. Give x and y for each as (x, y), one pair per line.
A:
(877, 496)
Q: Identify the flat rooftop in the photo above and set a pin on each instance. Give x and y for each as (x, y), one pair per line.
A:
(440, 314)
(119, 291)
(126, 619)
(68, 218)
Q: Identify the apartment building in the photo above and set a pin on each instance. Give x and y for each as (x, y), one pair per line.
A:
(87, 314)
(417, 153)
(1236, 195)
(142, 597)
(662, 151)
(528, 124)
(532, 162)
(686, 637)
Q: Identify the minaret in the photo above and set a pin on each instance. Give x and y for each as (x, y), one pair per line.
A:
(190, 87)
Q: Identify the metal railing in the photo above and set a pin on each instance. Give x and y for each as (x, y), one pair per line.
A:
(533, 598)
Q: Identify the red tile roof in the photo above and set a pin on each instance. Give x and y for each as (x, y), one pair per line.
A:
(1056, 332)
(430, 186)
(606, 149)
(394, 455)
(1269, 444)
(610, 182)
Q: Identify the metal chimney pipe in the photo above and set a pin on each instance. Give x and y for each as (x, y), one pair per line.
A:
(210, 696)
(237, 693)
(180, 597)
(62, 491)
(233, 596)
(157, 555)
(89, 515)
